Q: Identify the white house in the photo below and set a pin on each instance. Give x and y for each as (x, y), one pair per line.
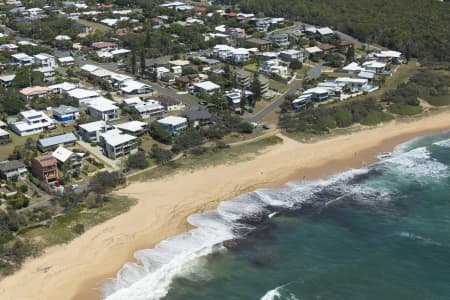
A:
(355, 85)
(374, 66)
(103, 108)
(135, 87)
(82, 96)
(32, 122)
(62, 87)
(90, 132)
(325, 31)
(273, 67)
(22, 59)
(45, 60)
(66, 61)
(133, 127)
(207, 87)
(292, 55)
(161, 72)
(173, 124)
(149, 109)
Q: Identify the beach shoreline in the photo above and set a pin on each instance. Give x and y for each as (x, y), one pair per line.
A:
(75, 270)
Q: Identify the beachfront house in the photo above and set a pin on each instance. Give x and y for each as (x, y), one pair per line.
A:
(117, 144)
(45, 167)
(173, 124)
(53, 142)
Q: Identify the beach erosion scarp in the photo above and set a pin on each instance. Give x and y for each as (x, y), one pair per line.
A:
(78, 269)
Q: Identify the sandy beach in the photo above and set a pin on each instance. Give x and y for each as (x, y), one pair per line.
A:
(75, 270)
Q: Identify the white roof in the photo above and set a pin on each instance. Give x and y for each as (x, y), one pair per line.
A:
(89, 68)
(66, 59)
(120, 51)
(312, 50)
(43, 56)
(352, 67)
(131, 126)
(316, 90)
(162, 70)
(131, 85)
(325, 31)
(374, 64)
(26, 43)
(351, 80)
(132, 101)
(62, 154)
(3, 132)
(388, 54)
(102, 73)
(366, 74)
(7, 78)
(102, 104)
(109, 22)
(207, 85)
(65, 86)
(148, 106)
(120, 77)
(93, 126)
(115, 137)
(63, 37)
(82, 94)
(21, 56)
(172, 120)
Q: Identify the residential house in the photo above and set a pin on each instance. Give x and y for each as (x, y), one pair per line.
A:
(4, 136)
(281, 40)
(374, 66)
(236, 33)
(313, 52)
(47, 72)
(273, 67)
(353, 68)
(50, 143)
(162, 72)
(261, 44)
(63, 87)
(22, 59)
(326, 48)
(198, 117)
(132, 87)
(8, 47)
(45, 60)
(32, 122)
(171, 103)
(325, 31)
(45, 167)
(173, 124)
(90, 132)
(31, 92)
(68, 160)
(136, 128)
(12, 170)
(65, 113)
(6, 80)
(82, 95)
(234, 98)
(206, 87)
(390, 56)
(104, 45)
(117, 144)
(103, 108)
(291, 55)
(149, 109)
(353, 85)
(66, 61)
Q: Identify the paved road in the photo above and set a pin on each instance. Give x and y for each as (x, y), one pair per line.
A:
(274, 104)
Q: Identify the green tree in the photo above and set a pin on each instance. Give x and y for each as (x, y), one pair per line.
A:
(133, 62)
(137, 161)
(256, 87)
(158, 133)
(142, 63)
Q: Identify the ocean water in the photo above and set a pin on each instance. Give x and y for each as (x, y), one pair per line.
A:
(381, 232)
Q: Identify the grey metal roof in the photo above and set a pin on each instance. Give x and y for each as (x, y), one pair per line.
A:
(57, 140)
(10, 165)
(197, 114)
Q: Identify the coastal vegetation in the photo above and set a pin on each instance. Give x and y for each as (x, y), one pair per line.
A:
(430, 85)
(393, 24)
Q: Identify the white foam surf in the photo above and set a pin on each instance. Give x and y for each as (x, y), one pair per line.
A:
(417, 163)
(150, 277)
(443, 144)
(276, 294)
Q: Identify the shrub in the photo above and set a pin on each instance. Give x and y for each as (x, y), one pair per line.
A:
(161, 156)
(23, 188)
(137, 161)
(198, 150)
(78, 229)
(245, 128)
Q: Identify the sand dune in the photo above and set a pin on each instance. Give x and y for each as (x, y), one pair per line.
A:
(73, 271)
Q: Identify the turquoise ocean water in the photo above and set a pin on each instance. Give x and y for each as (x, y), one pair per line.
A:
(381, 232)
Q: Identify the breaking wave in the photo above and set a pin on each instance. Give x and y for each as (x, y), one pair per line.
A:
(150, 277)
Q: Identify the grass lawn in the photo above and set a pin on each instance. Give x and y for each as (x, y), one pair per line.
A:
(7, 149)
(94, 25)
(61, 229)
(251, 67)
(278, 86)
(212, 158)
